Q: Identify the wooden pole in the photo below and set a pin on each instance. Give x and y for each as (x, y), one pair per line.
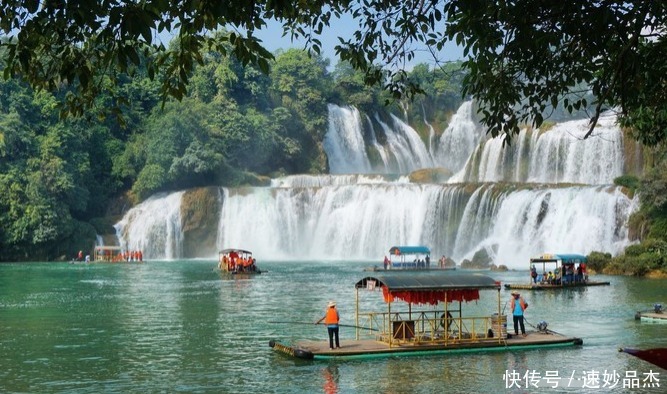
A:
(500, 321)
(356, 314)
(446, 319)
(391, 328)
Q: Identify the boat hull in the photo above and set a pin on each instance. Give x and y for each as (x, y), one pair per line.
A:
(651, 317)
(511, 286)
(371, 349)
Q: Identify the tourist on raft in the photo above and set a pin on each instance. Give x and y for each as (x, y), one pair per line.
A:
(331, 319)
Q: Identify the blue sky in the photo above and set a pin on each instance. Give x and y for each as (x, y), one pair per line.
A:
(273, 40)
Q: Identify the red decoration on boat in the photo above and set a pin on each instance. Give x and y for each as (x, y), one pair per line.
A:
(431, 297)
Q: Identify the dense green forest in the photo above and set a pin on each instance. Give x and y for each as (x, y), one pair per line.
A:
(64, 180)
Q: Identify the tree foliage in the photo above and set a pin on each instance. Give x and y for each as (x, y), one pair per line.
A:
(524, 58)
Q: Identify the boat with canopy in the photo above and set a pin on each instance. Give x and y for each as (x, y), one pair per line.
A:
(424, 316)
(237, 261)
(410, 258)
(557, 271)
(116, 254)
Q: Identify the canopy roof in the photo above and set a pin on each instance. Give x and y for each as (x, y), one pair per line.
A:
(564, 258)
(430, 289)
(409, 250)
(239, 251)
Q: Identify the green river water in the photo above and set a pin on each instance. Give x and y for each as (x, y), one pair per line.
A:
(179, 326)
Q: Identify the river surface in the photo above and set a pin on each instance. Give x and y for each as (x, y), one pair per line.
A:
(179, 326)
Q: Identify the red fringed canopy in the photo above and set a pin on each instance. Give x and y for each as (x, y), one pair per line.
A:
(429, 288)
(430, 297)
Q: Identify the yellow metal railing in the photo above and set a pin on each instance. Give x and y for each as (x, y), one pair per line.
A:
(427, 327)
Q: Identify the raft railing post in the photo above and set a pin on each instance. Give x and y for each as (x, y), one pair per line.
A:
(446, 317)
(356, 314)
(460, 322)
(500, 320)
(391, 331)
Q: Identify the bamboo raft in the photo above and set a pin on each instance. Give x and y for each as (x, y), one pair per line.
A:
(416, 332)
(654, 316)
(369, 348)
(561, 280)
(546, 286)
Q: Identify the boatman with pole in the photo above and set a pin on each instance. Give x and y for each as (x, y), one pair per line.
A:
(331, 319)
(518, 305)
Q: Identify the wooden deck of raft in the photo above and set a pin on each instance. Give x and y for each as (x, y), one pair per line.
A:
(367, 348)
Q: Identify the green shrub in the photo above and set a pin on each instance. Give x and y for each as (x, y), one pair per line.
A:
(658, 228)
(635, 250)
(597, 261)
(629, 181)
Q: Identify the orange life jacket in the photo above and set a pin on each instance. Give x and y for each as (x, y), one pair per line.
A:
(522, 302)
(331, 317)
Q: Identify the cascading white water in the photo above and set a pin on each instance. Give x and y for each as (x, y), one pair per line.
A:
(344, 142)
(360, 216)
(526, 223)
(362, 221)
(154, 227)
(459, 140)
(559, 155)
(346, 148)
(404, 146)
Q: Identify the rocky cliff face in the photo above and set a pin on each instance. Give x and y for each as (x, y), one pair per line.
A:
(200, 214)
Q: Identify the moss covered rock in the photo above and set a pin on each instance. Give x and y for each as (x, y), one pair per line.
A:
(200, 214)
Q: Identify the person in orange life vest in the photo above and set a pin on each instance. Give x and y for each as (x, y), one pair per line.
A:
(331, 319)
(517, 309)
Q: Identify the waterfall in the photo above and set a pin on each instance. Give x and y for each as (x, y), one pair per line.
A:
(559, 155)
(346, 149)
(344, 142)
(362, 221)
(459, 140)
(367, 207)
(406, 149)
(154, 227)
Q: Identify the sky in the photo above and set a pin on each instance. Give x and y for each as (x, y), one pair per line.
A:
(273, 40)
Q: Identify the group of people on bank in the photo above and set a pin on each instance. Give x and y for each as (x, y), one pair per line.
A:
(566, 274)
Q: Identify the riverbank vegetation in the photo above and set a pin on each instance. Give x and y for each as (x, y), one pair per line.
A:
(647, 226)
